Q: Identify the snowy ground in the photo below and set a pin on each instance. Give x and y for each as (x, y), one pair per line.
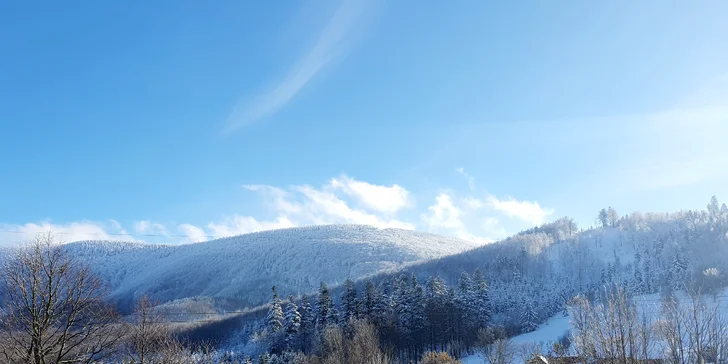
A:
(473, 359)
(550, 331)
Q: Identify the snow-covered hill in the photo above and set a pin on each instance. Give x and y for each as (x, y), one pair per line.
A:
(246, 266)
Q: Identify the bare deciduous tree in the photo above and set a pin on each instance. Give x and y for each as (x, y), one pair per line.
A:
(334, 344)
(148, 338)
(438, 358)
(55, 309)
(363, 347)
(528, 350)
(613, 330)
(612, 216)
(695, 331)
(672, 330)
(501, 351)
(496, 346)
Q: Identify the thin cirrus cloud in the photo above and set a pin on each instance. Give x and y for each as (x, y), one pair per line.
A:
(341, 200)
(329, 44)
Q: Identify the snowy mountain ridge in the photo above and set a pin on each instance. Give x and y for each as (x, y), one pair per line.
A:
(245, 267)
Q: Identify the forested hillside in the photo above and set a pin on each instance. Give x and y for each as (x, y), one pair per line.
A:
(401, 295)
(244, 267)
(510, 287)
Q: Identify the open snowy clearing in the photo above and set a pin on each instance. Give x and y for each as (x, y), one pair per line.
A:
(558, 325)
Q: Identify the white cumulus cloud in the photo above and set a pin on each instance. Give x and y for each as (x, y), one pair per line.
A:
(527, 211)
(386, 199)
(325, 206)
(340, 200)
(445, 217)
(193, 233)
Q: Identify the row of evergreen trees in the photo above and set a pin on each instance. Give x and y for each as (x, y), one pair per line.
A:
(411, 318)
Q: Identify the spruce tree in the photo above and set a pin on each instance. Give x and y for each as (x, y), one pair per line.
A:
(292, 324)
(349, 304)
(648, 275)
(417, 299)
(382, 310)
(436, 287)
(464, 294)
(637, 282)
(308, 322)
(275, 313)
(369, 300)
(483, 310)
(437, 311)
(403, 306)
(529, 319)
(325, 308)
(679, 268)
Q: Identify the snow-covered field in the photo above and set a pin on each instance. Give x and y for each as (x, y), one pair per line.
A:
(558, 325)
(246, 266)
(473, 359)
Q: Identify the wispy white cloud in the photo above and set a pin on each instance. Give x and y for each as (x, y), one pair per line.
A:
(193, 234)
(470, 217)
(386, 199)
(445, 217)
(473, 203)
(146, 227)
(323, 205)
(474, 219)
(327, 47)
(468, 177)
(237, 225)
(341, 200)
(527, 211)
(75, 231)
(302, 205)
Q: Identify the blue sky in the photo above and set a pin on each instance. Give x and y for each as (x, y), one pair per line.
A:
(175, 121)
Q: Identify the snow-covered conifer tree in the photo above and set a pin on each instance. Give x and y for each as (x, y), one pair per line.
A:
(529, 318)
(369, 299)
(325, 308)
(349, 304)
(637, 283)
(292, 324)
(275, 313)
(482, 308)
(308, 322)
